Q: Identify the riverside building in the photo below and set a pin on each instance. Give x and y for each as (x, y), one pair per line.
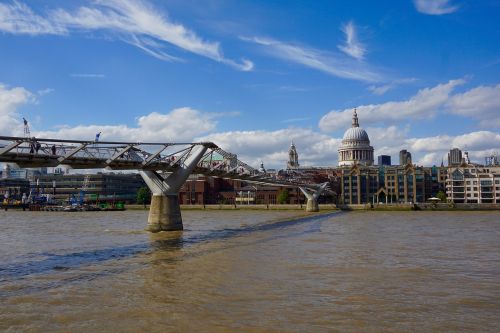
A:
(473, 184)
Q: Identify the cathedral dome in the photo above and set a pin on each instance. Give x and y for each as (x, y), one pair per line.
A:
(355, 147)
(355, 134)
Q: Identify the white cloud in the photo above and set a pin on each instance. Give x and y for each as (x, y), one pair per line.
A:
(17, 18)
(435, 7)
(316, 149)
(180, 125)
(11, 99)
(424, 104)
(388, 140)
(352, 46)
(134, 21)
(479, 144)
(272, 146)
(482, 103)
(327, 62)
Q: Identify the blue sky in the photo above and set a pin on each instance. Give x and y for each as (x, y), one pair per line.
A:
(254, 75)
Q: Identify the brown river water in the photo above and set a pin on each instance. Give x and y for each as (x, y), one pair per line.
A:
(250, 271)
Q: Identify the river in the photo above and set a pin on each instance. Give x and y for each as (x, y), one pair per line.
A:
(250, 271)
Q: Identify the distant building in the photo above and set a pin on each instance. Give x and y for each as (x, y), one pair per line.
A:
(293, 158)
(262, 168)
(492, 160)
(355, 147)
(97, 187)
(384, 160)
(455, 157)
(473, 184)
(404, 157)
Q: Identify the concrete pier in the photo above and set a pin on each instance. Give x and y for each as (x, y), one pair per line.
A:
(312, 205)
(312, 197)
(164, 213)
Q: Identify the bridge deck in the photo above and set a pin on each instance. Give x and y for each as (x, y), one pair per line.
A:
(164, 157)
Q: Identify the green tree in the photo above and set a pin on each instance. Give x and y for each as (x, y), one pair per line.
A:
(143, 196)
(441, 195)
(283, 196)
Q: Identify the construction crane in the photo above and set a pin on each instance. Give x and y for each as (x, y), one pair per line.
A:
(84, 189)
(27, 133)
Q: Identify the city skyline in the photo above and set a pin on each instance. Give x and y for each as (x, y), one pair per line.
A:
(254, 76)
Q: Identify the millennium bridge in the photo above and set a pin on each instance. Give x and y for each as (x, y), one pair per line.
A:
(164, 167)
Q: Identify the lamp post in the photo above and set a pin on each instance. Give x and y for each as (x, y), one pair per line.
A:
(255, 196)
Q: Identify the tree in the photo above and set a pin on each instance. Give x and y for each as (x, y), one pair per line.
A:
(283, 196)
(143, 196)
(441, 195)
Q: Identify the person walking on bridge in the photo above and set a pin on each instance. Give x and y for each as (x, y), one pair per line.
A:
(97, 136)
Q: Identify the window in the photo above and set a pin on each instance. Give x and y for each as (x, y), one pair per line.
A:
(457, 175)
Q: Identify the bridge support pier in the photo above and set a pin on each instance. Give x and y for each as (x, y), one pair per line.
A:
(165, 210)
(164, 213)
(312, 197)
(312, 205)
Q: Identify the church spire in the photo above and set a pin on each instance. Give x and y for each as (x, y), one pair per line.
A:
(355, 122)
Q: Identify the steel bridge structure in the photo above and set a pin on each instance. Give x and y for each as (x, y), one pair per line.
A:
(164, 167)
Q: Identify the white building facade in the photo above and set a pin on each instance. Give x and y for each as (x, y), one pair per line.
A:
(473, 184)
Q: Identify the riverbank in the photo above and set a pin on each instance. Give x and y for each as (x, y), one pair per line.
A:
(422, 206)
(326, 207)
(333, 207)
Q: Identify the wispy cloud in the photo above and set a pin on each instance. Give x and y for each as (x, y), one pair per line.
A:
(435, 7)
(88, 76)
(327, 62)
(294, 89)
(382, 89)
(295, 120)
(17, 18)
(45, 91)
(136, 22)
(352, 46)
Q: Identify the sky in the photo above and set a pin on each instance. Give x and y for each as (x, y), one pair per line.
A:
(253, 76)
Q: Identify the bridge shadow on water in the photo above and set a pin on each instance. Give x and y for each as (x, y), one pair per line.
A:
(14, 272)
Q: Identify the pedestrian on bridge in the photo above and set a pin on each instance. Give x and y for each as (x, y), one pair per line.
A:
(97, 136)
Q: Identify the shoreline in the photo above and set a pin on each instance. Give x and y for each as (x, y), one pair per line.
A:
(332, 207)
